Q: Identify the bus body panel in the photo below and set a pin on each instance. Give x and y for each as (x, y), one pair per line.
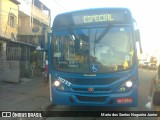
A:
(80, 89)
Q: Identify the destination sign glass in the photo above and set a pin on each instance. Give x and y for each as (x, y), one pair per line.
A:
(93, 17)
(97, 18)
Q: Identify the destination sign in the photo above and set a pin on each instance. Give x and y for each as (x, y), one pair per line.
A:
(98, 18)
(93, 17)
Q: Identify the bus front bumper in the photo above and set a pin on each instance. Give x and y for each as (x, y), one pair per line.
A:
(128, 99)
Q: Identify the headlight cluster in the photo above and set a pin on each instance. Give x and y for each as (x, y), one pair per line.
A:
(60, 86)
(126, 86)
(129, 84)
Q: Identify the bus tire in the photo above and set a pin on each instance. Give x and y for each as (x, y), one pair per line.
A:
(156, 98)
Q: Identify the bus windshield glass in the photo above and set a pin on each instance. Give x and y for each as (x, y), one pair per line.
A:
(93, 50)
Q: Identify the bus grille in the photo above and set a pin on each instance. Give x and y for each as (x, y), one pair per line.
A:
(89, 81)
(96, 90)
(91, 99)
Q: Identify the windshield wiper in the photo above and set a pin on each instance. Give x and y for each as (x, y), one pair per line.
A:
(95, 42)
(105, 31)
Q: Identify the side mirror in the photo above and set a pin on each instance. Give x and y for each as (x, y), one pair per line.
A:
(137, 36)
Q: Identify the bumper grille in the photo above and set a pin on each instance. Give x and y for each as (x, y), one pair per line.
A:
(91, 99)
(89, 81)
(96, 90)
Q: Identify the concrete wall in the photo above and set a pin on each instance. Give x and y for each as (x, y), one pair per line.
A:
(10, 71)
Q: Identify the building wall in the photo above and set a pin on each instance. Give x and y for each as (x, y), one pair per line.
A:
(12, 52)
(34, 23)
(8, 29)
(24, 21)
(31, 16)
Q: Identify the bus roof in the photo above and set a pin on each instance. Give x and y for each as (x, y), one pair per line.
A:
(94, 16)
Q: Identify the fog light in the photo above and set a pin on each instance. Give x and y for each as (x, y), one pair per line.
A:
(56, 83)
(61, 88)
(129, 83)
(122, 89)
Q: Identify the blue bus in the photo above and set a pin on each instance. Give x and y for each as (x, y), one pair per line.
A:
(92, 57)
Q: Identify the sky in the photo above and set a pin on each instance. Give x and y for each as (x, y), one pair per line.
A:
(146, 13)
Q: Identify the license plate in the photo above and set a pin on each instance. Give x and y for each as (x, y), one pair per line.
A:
(124, 100)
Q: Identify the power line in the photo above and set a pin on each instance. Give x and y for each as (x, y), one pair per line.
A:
(60, 5)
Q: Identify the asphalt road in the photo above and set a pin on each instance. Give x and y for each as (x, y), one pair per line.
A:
(144, 85)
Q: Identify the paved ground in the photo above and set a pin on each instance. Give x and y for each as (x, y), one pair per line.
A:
(28, 95)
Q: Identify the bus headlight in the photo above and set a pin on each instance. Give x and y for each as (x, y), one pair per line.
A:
(60, 86)
(126, 86)
(56, 83)
(129, 84)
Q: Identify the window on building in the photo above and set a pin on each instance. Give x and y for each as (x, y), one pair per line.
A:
(12, 20)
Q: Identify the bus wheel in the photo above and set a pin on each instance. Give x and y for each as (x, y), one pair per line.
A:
(156, 98)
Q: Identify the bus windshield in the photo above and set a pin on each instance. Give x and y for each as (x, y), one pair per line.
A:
(93, 50)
